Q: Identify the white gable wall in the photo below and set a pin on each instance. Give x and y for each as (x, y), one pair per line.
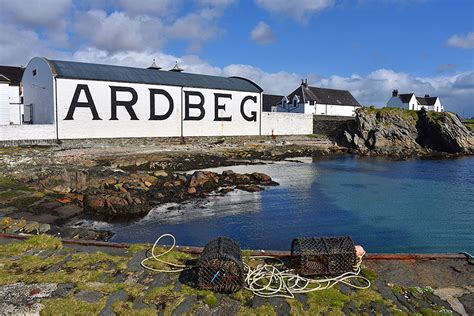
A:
(16, 108)
(4, 104)
(38, 91)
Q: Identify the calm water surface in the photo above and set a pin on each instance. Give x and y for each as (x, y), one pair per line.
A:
(387, 206)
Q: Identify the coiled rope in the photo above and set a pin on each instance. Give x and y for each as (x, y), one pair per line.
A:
(175, 266)
(266, 280)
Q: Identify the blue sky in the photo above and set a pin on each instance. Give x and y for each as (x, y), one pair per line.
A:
(366, 46)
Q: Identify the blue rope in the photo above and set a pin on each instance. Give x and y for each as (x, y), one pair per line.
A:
(467, 254)
(215, 276)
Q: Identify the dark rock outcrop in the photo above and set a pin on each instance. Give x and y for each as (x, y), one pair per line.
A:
(401, 133)
(135, 194)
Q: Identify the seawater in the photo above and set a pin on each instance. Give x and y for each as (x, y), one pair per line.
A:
(414, 206)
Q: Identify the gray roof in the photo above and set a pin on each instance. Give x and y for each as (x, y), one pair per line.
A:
(405, 97)
(426, 100)
(324, 96)
(88, 71)
(270, 100)
(12, 73)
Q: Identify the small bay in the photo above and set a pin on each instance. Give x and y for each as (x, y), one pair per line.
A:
(413, 206)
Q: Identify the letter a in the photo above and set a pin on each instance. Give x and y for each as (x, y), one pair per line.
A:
(76, 104)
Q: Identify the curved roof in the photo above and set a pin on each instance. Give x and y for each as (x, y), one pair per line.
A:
(88, 71)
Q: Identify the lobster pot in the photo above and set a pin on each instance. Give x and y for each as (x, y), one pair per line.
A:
(323, 256)
(220, 266)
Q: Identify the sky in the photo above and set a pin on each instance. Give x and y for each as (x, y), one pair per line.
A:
(368, 47)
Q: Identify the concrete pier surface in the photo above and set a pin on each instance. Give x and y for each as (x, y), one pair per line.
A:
(44, 275)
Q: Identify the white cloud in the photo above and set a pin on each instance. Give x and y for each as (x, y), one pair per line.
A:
(119, 31)
(44, 13)
(19, 52)
(299, 10)
(262, 34)
(461, 41)
(196, 28)
(48, 18)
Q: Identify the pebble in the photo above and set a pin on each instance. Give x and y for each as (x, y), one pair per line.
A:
(185, 307)
(108, 309)
(89, 296)
(44, 228)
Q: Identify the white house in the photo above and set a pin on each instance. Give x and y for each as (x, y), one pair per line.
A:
(410, 101)
(11, 109)
(319, 101)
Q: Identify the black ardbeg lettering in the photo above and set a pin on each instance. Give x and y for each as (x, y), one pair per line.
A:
(76, 104)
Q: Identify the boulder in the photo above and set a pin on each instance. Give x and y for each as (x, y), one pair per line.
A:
(203, 179)
(160, 173)
(398, 132)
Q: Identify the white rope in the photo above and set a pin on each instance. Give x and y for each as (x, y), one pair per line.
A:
(181, 267)
(266, 280)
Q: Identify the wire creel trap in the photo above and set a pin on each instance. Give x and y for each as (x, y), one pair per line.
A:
(220, 267)
(324, 255)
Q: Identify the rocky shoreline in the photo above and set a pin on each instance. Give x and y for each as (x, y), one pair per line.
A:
(121, 180)
(57, 186)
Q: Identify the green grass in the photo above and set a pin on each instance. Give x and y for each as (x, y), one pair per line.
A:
(6, 183)
(470, 124)
(40, 242)
(408, 115)
(436, 116)
(71, 306)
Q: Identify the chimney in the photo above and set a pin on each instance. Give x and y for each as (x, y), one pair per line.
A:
(154, 65)
(395, 93)
(427, 95)
(176, 68)
(304, 83)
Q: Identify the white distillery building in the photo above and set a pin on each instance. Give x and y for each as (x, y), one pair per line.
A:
(319, 101)
(409, 101)
(74, 100)
(11, 109)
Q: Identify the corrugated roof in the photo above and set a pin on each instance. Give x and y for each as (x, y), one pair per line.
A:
(88, 71)
(14, 74)
(270, 100)
(324, 96)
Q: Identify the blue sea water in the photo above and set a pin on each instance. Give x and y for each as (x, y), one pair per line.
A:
(414, 206)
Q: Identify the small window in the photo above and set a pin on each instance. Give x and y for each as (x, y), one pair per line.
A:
(294, 103)
(34, 72)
